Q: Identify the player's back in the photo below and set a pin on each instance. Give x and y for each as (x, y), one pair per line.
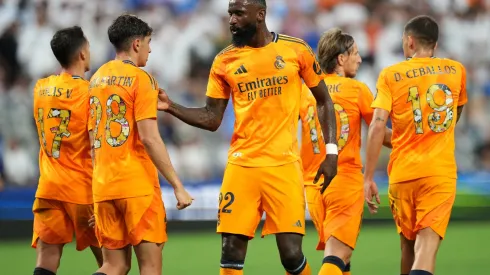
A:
(422, 95)
(352, 100)
(61, 114)
(122, 168)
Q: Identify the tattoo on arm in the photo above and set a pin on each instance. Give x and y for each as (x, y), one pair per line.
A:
(326, 112)
(379, 119)
(208, 117)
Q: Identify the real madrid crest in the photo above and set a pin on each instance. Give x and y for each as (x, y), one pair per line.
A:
(279, 64)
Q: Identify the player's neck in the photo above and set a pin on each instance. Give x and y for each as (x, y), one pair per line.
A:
(74, 70)
(262, 38)
(423, 53)
(130, 56)
(339, 71)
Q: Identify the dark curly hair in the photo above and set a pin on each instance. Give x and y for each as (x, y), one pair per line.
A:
(125, 29)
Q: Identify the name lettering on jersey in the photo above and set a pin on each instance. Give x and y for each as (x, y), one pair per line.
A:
(55, 91)
(112, 80)
(263, 87)
(333, 88)
(428, 70)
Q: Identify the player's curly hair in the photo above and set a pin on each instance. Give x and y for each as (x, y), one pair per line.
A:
(125, 29)
(423, 28)
(333, 43)
(66, 44)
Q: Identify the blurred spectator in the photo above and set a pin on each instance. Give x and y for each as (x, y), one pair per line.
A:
(187, 36)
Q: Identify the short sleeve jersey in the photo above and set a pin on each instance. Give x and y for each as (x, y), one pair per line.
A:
(121, 94)
(61, 104)
(422, 95)
(352, 102)
(265, 86)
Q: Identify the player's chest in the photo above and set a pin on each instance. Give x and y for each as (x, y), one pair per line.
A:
(252, 72)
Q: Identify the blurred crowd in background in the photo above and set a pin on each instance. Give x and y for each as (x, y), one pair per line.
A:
(187, 36)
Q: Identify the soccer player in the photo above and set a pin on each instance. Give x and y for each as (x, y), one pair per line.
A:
(128, 152)
(262, 71)
(424, 97)
(337, 213)
(64, 201)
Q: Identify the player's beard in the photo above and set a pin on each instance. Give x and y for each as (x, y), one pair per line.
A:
(243, 35)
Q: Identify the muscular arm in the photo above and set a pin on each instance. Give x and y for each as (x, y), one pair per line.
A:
(376, 137)
(387, 138)
(326, 112)
(460, 111)
(208, 117)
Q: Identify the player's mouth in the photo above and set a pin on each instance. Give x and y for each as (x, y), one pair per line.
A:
(234, 30)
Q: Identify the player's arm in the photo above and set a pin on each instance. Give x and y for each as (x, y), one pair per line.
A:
(146, 120)
(326, 112)
(463, 96)
(382, 105)
(364, 101)
(210, 116)
(91, 138)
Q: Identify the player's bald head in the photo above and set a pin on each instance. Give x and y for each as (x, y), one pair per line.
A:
(424, 29)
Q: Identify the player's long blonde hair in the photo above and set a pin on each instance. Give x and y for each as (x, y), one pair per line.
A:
(333, 43)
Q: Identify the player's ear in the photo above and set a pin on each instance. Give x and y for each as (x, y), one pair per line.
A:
(435, 46)
(341, 59)
(261, 15)
(136, 44)
(82, 55)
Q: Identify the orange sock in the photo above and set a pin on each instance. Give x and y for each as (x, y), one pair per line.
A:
(330, 269)
(332, 265)
(230, 271)
(306, 270)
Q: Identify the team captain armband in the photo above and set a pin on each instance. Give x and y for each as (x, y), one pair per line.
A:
(332, 149)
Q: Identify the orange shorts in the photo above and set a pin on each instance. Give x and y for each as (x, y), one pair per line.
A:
(56, 221)
(248, 192)
(422, 203)
(338, 211)
(122, 222)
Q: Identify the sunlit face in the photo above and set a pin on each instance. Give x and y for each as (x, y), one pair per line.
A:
(243, 21)
(143, 50)
(86, 56)
(352, 62)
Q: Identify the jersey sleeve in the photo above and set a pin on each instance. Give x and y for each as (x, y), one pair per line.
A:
(310, 69)
(85, 104)
(383, 99)
(364, 101)
(304, 102)
(217, 85)
(146, 97)
(463, 96)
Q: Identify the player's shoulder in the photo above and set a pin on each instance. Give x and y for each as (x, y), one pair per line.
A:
(295, 43)
(452, 62)
(226, 53)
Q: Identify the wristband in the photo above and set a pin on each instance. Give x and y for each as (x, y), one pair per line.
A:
(332, 149)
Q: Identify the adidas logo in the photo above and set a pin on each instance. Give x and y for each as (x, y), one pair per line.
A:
(241, 70)
(297, 224)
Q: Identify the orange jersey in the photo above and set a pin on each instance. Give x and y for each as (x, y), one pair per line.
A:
(265, 85)
(421, 95)
(121, 94)
(61, 104)
(352, 102)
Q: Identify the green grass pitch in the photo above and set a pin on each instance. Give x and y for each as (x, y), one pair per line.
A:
(465, 251)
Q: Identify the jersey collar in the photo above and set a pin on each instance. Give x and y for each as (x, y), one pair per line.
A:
(410, 58)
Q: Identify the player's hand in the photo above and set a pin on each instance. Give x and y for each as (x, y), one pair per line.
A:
(163, 100)
(91, 221)
(328, 169)
(371, 195)
(184, 199)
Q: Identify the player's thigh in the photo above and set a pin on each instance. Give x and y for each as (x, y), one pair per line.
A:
(149, 256)
(434, 202)
(79, 215)
(145, 218)
(283, 199)
(51, 222)
(344, 201)
(110, 227)
(316, 208)
(402, 207)
(240, 207)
